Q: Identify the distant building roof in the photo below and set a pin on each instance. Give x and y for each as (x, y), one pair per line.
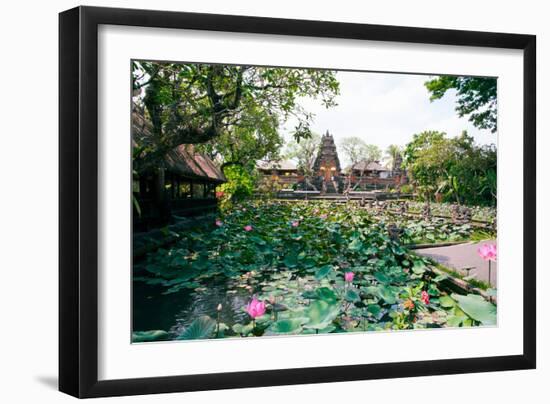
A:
(372, 166)
(284, 165)
(183, 159)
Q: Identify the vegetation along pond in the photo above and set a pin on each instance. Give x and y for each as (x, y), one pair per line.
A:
(280, 268)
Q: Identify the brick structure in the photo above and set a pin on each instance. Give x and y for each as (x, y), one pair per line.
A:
(327, 166)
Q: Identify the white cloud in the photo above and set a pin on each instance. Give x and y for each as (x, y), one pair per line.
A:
(384, 108)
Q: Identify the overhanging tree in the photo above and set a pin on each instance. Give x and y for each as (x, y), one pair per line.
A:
(476, 97)
(198, 103)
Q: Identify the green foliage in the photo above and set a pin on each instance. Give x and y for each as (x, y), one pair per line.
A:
(149, 336)
(477, 308)
(197, 103)
(240, 183)
(286, 326)
(303, 268)
(476, 97)
(201, 328)
(304, 151)
(394, 152)
(321, 314)
(455, 168)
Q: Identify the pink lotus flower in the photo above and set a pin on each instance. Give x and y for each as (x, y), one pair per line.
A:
(295, 223)
(488, 252)
(348, 276)
(255, 308)
(248, 228)
(219, 223)
(425, 297)
(323, 216)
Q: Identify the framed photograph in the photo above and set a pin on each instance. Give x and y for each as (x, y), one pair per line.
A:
(251, 201)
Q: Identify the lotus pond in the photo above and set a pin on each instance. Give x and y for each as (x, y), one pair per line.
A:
(266, 268)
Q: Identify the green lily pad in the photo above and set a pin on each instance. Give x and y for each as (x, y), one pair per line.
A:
(201, 328)
(286, 326)
(321, 314)
(382, 277)
(291, 260)
(388, 293)
(326, 294)
(455, 321)
(355, 245)
(258, 240)
(419, 267)
(149, 336)
(446, 301)
(323, 272)
(242, 329)
(374, 309)
(477, 308)
(352, 296)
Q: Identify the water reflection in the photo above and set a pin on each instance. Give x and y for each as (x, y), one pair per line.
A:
(175, 311)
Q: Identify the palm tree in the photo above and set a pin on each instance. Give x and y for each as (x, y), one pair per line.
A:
(393, 152)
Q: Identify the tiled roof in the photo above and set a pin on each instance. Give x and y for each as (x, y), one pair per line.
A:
(182, 160)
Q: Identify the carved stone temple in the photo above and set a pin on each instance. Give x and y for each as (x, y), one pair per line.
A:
(329, 178)
(327, 166)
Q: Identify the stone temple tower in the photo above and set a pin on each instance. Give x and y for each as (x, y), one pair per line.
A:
(327, 164)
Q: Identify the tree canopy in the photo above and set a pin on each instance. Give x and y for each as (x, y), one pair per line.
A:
(393, 153)
(304, 151)
(356, 150)
(235, 106)
(476, 97)
(456, 167)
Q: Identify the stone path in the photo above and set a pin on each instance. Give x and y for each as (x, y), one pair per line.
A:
(460, 257)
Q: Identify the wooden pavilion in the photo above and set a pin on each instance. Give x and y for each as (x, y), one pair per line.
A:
(182, 184)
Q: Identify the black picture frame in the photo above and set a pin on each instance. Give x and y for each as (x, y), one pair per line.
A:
(78, 200)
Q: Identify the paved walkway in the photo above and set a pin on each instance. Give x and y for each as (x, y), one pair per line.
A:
(461, 257)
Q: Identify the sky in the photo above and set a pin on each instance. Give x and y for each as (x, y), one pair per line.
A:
(384, 109)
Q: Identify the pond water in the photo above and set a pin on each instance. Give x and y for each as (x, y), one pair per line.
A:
(173, 312)
(154, 310)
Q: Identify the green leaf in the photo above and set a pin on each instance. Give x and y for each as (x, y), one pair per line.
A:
(286, 326)
(419, 267)
(352, 296)
(242, 329)
(201, 328)
(149, 336)
(477, 308)
(326, 294)
(291, 260)
(388, 293)
(321, 314)
(355, 245)
(446, 301)
(455, 321)
(323, 271)
(257, 240)
(374, 309)
(382, 277)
